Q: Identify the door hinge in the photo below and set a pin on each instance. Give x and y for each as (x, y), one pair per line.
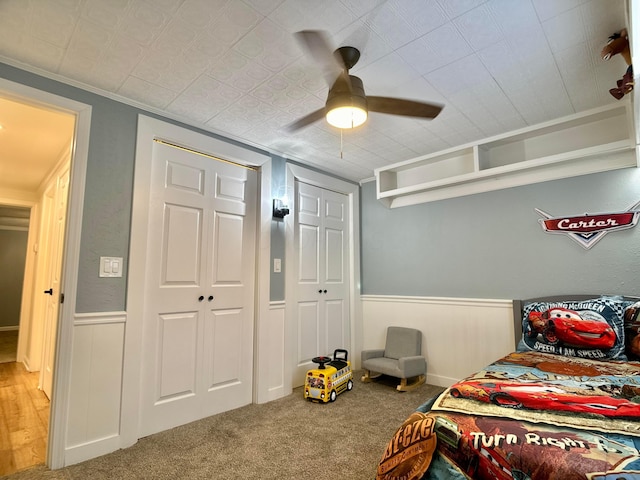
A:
(62, 298)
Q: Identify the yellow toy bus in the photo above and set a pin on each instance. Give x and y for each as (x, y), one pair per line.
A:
(332, 377)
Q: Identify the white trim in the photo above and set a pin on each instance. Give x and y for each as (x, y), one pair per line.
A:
(99, 318)
(367, 180)
(263, 290)
(71, 256)
(135, 281)
(440, 300)
(28, 284)
(94, 448)
(321, 180)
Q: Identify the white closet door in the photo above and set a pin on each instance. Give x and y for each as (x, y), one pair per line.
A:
(199, 295)
(322, 293)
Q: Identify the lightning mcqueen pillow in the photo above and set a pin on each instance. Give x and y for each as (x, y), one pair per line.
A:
(587, 329)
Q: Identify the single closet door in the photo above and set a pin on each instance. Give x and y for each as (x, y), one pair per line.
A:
(199, 295)
(322, 321)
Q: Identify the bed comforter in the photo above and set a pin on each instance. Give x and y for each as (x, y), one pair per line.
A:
(538, 416)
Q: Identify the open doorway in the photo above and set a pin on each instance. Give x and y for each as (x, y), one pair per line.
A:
(14, 230)
(36, 144)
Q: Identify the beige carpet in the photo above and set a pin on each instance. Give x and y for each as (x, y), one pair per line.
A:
(289, 438)
(8, 345)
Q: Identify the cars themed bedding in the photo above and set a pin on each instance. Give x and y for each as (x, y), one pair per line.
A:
(565, 405)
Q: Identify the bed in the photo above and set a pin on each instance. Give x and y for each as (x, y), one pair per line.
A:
(564, 405)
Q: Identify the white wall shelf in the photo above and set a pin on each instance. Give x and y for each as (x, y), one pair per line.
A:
(590, 142)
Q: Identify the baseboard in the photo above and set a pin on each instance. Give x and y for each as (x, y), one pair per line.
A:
(440, 380)
(10, 328)
(92, 449)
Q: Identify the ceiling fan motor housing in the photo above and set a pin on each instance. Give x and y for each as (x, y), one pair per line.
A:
(341, 96)
(348, 56)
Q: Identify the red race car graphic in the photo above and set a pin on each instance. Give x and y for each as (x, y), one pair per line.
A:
(538, 396)
(561, 325)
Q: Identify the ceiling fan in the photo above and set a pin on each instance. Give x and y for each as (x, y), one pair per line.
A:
(347, 105)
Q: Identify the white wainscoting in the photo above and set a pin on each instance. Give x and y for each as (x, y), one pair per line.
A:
(271, 355)
(95, 386)
(460, 336)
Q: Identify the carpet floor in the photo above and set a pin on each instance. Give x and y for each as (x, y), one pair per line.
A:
(289, 438)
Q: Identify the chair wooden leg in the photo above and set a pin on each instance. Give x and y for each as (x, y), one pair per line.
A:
(416, 382)
(368, 376)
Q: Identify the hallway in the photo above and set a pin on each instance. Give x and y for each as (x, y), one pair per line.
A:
(24, 419)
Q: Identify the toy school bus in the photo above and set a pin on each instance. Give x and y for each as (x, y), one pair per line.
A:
(331, 378)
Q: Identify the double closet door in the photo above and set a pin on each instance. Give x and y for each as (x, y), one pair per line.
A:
(199, 289)
(322, 321)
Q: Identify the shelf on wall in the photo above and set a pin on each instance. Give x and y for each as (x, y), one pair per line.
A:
(590, 142)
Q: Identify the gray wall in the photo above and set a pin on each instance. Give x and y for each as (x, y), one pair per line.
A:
(278, 190)
(106, 222)
(491, 245)
(13, 254)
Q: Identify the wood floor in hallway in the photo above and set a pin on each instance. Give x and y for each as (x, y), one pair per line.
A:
(24, 419)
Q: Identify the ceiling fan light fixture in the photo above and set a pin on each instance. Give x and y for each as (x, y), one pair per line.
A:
(349, 116)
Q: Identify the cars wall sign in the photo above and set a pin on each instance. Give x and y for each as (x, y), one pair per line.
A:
(588, 229)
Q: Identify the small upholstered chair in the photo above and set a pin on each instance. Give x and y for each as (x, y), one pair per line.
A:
(401, 358)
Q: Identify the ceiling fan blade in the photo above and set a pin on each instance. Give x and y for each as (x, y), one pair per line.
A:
(399, 106)
(317, 45)
(306, 120)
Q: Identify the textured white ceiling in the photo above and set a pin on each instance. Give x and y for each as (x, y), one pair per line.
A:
(233, 66)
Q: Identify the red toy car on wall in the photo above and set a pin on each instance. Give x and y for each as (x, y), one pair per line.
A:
(561, 325)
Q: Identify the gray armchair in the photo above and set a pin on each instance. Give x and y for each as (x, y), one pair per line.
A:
(401, 358)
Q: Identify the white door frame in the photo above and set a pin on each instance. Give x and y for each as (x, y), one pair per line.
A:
(71, 255)
(352, 191)
(148, 130)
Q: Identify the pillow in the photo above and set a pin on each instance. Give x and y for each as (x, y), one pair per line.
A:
(591, 328)
(632, 331)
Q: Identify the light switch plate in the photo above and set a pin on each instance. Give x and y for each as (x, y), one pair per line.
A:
(277, 265)
(111, 266)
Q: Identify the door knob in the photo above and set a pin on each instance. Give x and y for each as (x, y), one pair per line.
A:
(201, 298)
(50, 291)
